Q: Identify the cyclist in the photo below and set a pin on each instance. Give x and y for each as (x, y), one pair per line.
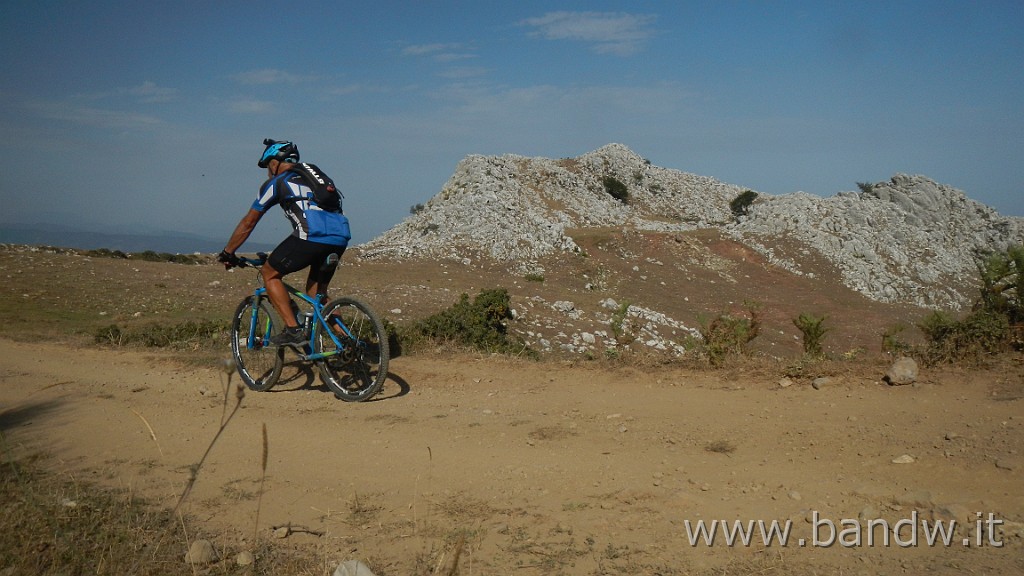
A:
(316, 234)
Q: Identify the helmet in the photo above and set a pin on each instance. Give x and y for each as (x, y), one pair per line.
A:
(282, 151)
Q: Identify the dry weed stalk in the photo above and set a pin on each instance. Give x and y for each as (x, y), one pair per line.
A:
(229, 369)
(151, 433)
(224, 421)
(263, 478)
(456, 553)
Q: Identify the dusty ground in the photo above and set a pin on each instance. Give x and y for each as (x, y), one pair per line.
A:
(544, 470)
(550, 467)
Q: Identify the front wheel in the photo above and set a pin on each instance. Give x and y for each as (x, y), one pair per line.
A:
(359, 366)
(258, 362)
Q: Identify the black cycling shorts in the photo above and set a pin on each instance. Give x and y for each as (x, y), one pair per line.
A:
(294, 254)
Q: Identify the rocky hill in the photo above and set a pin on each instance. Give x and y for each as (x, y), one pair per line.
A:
(909, 240)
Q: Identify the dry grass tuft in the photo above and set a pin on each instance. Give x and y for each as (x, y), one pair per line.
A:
(721, 447)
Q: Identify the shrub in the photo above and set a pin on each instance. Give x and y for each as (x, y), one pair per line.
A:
(534, 277)
(1002, 284)
(105, 253)
(616, 189)
(728, 334)
(813, 332)
(892, 344)
(151, 256)
(479, 323)
(980, 334)
(741, 203)
(187, 334)
(623, 333)
(995, 322)
(865, 187)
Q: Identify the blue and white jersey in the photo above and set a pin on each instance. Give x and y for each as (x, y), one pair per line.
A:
(308, 221)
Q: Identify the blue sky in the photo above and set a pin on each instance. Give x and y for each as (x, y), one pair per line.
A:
(149, 116)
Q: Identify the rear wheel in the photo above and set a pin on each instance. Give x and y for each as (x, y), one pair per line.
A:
(359, 368)
(258, 362)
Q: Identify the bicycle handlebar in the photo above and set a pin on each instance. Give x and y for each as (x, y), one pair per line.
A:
(258, 261)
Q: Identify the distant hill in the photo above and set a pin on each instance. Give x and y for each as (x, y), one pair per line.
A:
(69, 237)
(907, 240)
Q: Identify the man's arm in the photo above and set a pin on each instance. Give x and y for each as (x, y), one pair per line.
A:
(242, 231)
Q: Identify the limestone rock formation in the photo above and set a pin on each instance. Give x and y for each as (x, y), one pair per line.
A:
(908, 240)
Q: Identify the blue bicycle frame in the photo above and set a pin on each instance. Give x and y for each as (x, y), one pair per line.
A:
(317, 306)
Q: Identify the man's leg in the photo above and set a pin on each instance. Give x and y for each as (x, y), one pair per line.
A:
(313, 284)
(279, 295)
(321, 273)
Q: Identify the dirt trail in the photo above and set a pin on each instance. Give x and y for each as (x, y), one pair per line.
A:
(544, 468)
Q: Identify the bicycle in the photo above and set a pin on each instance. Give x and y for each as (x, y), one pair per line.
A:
(346, 340)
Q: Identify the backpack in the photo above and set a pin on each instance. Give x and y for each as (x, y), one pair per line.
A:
(325, 195)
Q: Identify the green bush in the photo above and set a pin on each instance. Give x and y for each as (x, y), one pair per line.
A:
(994, 324)
(614, 187)
(479, 324)
(1002, 284)
(741, 203)
(980, 334)
(865, 187)
(891, 342)
(728, 334)
(624, 334)
(105, 253)
(813, 332)
(187, 334)
(151, 256)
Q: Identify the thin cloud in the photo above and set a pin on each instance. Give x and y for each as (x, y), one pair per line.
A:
(149, 92)
(463, 72)
(428, 49)
(655, 101)
(248, 106)
(269, 76)
(606, 32)
(357, 88)
(95, 117)
(439, 52)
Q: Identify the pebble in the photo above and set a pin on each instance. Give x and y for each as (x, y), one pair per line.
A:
(1003, 464)
(201, 552)
(244, 558)
(353, 568)
(904, 459)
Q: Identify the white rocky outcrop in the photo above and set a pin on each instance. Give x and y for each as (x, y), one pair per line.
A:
(513, 208)
(907, 240)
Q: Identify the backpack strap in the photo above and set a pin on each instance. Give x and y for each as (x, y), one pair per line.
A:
(325, 194)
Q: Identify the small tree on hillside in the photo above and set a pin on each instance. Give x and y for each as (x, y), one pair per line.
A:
(741, 204)
(616, 189)
(1002, 283)
(813, 331)
(996, 321)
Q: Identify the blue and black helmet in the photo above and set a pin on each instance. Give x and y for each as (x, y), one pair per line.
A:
(282, 151)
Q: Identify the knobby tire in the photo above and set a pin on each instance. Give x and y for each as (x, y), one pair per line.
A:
(360, 368)
(260, 366)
